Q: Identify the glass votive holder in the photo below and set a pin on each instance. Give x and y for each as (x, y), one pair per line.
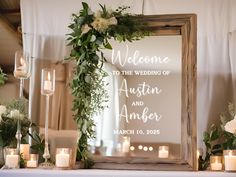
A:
(33, 161)
(163, 152)
(11, 158)
(63, 158)
(230, 160)
(216, 163)
(125, 144)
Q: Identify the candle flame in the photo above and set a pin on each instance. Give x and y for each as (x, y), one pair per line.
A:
(230, 153)
(49, 77)
(22, 61)
(198, 153)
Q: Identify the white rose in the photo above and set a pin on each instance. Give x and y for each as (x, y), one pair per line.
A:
(231, 126)
(16, 114)
(112, 21)
(3, 110)
(85, 28)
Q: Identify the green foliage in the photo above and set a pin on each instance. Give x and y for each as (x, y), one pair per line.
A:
(8, 125)
(213, 147)
(38, 144)
(3, 77)
(90, 33)
(217, 139)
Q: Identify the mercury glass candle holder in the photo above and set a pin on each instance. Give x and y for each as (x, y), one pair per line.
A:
(64, 158)
(47, 89)
(163, 152)
(230, 160)
(216, 163)
(11, 158)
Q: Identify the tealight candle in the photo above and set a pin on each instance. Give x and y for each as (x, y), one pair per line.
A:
(163, 152)
(126, 144)
(11, 158)
(33, 161)
(230, 160)
(63, 157)
(216, 163)
(48, 82)
(21, 70)
(24, 150)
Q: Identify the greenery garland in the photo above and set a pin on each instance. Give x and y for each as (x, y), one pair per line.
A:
(91, 33)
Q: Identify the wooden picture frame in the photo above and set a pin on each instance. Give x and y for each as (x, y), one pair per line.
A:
(186, 26)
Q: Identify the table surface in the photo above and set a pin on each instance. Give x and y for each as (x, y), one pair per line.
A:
(107, 173)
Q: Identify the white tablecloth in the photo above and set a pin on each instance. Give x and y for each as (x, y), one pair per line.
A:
(108, 173)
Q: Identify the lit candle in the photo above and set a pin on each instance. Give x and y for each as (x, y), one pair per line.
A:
(21, 71)
(216, 166)
(163, 152)
(33, 162)
(62, 159)
(12, 160)
(24, 150)
(230, 162)
(48, 83)
(125, 144)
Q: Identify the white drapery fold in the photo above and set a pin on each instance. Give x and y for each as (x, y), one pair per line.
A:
(232, 57)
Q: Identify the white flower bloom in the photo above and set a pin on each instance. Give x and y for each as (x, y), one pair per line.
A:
(100, 24)
(231, 126)
(85, 28)
(84, 128)
(112, 21)
(16, 114)
(3, 110)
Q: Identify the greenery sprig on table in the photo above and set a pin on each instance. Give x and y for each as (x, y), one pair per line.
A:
(3, 77)
(221, 137)
(91, 33)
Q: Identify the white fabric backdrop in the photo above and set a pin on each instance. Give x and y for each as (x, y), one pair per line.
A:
(45, 24)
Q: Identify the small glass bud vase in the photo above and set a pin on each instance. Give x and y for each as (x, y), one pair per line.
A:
(33, 161)
(64, 158)
(11, 158)
(216, 163)
(230, 160)
(163, 152)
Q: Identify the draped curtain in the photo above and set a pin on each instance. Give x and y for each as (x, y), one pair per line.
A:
(46, 21)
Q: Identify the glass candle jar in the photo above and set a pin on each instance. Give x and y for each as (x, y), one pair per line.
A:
(125, 144)
(230, 160)
(63, 158)
(24, 150)
(163, 152)
(11, 158)
(216, 163)
(33, 161)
